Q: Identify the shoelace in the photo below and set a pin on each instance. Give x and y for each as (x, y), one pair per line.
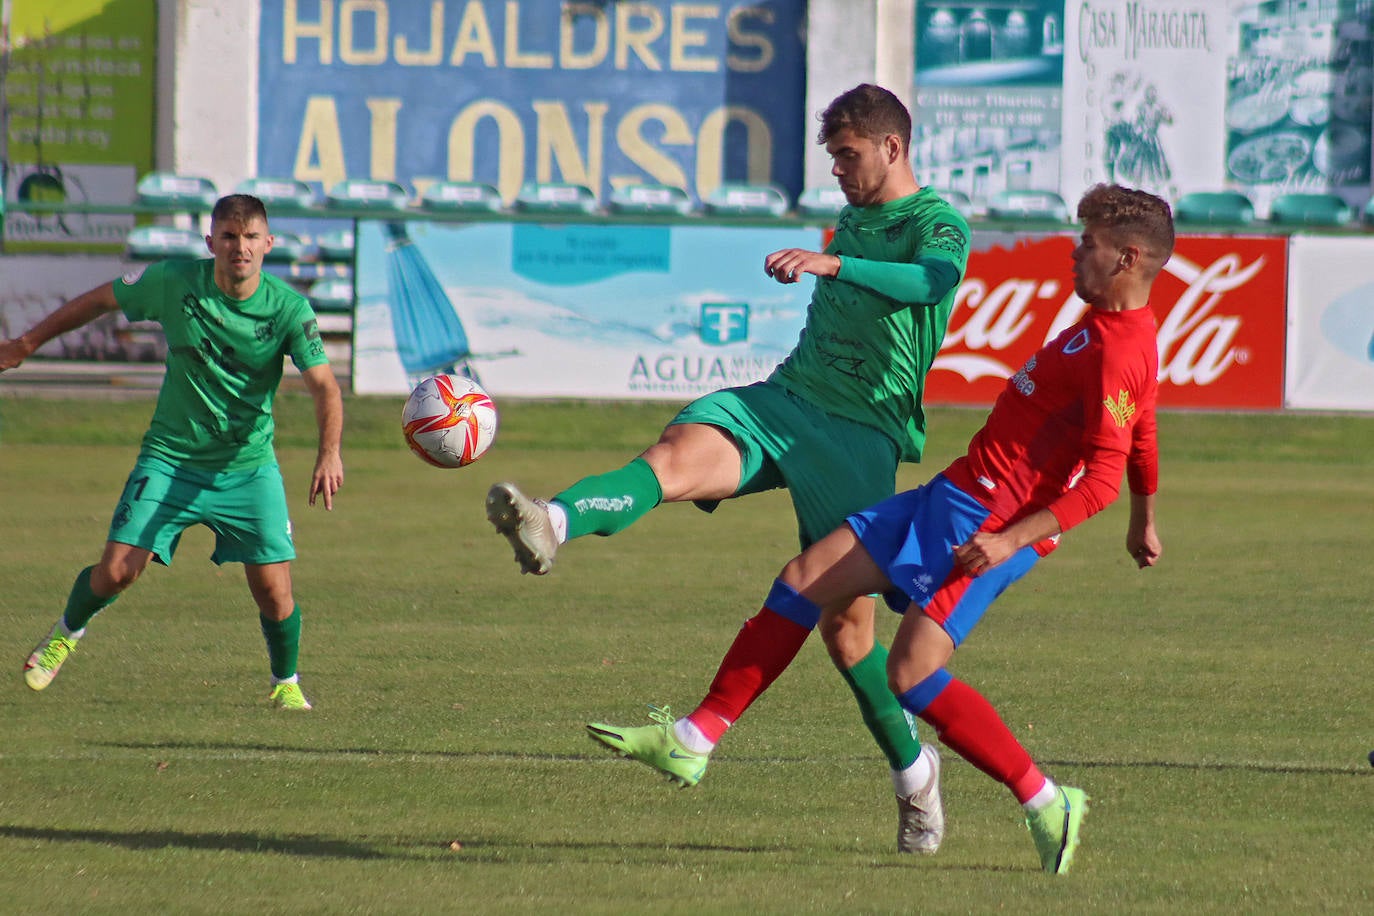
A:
(661, 714)
(56, 652)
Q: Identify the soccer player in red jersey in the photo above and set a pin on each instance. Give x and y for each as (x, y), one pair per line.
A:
(1078, 414)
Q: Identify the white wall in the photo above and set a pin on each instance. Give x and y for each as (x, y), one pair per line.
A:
(851, 42)
(207, 89)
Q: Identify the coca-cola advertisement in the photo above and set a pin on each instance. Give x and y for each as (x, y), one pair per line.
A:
(1220, 305)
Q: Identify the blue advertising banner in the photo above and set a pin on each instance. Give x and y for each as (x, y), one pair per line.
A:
(513, 91)
(653, 312)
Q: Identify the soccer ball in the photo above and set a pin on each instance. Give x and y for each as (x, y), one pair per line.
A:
(449, 421)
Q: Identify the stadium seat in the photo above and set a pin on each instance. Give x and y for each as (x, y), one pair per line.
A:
(369, 195)
(1310, 209)
(956, 199)
(336, 246)
(746, 200)
(331, 294)
(1214, 208)
(554, 197)
(280, 195)
(651, 199)
(1367, 214)
(176, 193)
(821, 202)
(154, 243)
(1034, 205)
(288, 247)
(460, 197)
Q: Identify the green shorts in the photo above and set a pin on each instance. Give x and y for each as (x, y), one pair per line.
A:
(245, 509)
(832, 466)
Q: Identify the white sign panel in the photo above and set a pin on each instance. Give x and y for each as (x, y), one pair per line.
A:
(1330, 323)
(1144, 95)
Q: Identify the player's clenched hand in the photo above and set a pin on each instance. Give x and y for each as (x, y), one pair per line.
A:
(326, 479)
(983, 551)
(1144, 546)
(788, 265)
(12, 353)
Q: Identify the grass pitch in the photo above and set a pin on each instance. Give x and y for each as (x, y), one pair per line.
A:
(1218, 708)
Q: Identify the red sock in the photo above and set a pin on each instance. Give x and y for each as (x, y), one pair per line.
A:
(765, 646)
(967, 722)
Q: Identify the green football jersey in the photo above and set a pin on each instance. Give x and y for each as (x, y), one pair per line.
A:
(224, 361)
(863, 354)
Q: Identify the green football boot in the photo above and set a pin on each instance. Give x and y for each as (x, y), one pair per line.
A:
(287, 695)
(655, 745)
(47, 657)
(1055, 829)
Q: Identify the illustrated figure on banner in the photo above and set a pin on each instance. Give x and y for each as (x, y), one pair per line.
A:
(1132, 149)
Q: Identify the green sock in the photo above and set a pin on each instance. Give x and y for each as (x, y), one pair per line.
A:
(283, 642)
(611, 502)
(82, 603)
(889, 723)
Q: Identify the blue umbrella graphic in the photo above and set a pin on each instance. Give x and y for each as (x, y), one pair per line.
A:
(429, 335)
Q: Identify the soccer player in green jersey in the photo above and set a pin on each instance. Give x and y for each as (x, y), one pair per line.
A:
(830, 424)
(207, 456)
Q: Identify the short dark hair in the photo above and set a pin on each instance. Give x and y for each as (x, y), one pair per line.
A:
(1142, 217)
(238, 207)
(868, 110)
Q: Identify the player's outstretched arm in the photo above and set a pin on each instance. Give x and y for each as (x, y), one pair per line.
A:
(329, 473)
(73, 314)
(789, 264)
(1142, 542)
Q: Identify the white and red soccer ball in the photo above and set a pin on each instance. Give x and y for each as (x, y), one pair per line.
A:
(449, 421)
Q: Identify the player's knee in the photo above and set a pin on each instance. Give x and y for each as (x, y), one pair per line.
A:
(846, 640)
(109, 579)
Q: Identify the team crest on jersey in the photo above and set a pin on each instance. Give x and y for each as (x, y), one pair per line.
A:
(1077, 342)
(1121, 409)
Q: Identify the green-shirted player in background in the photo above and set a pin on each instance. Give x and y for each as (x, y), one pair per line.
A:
(207, 456)
(830, 424)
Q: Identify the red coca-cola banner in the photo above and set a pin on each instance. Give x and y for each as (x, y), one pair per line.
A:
(1220, 304)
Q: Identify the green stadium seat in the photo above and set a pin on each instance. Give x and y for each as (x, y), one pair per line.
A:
(336, 246)
(331, 294)
(288, 247)
(1028, 205)
(732, 199)
(367, 194)
(280, 195)
(555, 197)
(1214, 208)
(651, 199)
(956, 199)
(1310, 209)
(461, 197)
(176, 193)
(821, 202)
(155, 243)
(1367, 214)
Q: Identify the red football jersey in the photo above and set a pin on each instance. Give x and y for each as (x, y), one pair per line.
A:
(1078, 413)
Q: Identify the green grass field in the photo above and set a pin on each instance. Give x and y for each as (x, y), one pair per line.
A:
(1218, 708)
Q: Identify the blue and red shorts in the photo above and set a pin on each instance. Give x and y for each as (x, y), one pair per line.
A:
(912, 536)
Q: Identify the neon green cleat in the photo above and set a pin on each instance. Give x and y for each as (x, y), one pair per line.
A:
(287, 695)
(47, 658)
(1055, 829)
(655, 745)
